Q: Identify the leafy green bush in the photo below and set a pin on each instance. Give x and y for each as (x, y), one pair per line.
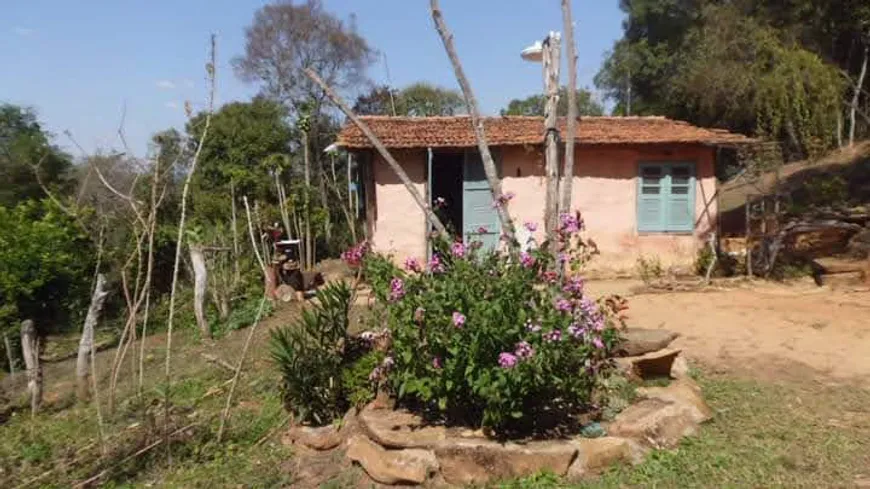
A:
(499, 340)
(649, 268)
(314, 355)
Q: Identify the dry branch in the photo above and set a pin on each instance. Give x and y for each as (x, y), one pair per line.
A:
(476, 122)
(394, 165)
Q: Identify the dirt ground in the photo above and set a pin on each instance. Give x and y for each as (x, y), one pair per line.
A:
(764, 330)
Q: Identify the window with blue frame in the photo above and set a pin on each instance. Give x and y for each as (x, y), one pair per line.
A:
(666, 198)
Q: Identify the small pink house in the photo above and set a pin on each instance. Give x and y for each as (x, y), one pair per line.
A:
(645, 185)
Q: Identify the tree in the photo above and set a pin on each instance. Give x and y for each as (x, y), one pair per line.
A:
(24, 144)
(419, 99)
(45, 266)
(533, 105)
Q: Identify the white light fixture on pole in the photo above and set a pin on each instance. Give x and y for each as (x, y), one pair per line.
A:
(548, 52)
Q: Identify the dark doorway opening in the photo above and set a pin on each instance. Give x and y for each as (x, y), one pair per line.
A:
(446, 181)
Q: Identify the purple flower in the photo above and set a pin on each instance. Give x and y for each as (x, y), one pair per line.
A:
(435, 265)
(527, 260)
(524, 350)
(570, 224)
(550, 277)
(532, 327)
(436, 363)
(397, 289)
(552, 336)
(576, 331)
(563, 305)
(412, 264)
(457, 249)
(596, 341)
(574, 286)
(531, 226)
(458, 319)
(503, 199)
(507, 360)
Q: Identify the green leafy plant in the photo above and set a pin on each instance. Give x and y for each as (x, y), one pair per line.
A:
(312, 354)
(505, 341)
(649, 268)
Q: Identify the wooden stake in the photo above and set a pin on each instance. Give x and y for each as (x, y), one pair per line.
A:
(571, 125)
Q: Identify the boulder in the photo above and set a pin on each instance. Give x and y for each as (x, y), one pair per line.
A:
(649, 366)
(466, 462)
(639, 341)
(684, 392)
(412, 466)
(655, 423)
(680, 368)
(322, 438)
(400, 429)
(596, 455)
(859, 245)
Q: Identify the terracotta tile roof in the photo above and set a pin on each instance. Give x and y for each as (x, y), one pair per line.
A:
(441, 132)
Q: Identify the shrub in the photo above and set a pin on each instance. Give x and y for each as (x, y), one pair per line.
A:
(311, 354)
(485, 338)
(649, 268)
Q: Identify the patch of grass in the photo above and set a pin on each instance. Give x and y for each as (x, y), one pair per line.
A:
(763, 435)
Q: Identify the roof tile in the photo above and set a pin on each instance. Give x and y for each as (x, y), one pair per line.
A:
(457, 132)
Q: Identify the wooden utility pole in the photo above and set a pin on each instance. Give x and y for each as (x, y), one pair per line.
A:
(551, 59)
(566, 187)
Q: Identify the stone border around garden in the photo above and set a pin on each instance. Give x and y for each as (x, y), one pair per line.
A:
(397, 447)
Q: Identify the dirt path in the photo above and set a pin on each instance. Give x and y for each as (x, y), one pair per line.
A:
(768, 331)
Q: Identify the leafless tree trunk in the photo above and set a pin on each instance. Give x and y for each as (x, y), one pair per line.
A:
(857, 96)
(9, 357)
(385, 154)
(237, 274)
(30, 346)
(86, 344)
(210, 68)
(479, 132)
(552, 58)
(200, 283)
(571, 125)
(308, 249)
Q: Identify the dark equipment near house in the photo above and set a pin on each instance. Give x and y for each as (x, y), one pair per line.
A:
(289, 270)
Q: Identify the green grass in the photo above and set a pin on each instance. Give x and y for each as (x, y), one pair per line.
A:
(763, 435)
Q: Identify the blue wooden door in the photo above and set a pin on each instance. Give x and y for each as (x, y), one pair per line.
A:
(479, 218)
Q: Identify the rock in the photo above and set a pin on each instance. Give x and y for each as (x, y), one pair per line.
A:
(592, 430)
(859, 245)
(285, 293)
(322, 438)
(842, 280)
(596, 455)
(655, 423)
(649, 366)
(466, 462)
(828, 265)
(680, 368)
(382, 401)
(639, 341)
(400, 429)
(684, 392)
(412, 466)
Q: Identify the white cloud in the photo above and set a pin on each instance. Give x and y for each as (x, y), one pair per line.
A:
(165, 84)
(171, 105)
(22, 31)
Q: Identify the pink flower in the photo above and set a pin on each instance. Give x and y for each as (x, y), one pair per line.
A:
(503, 199)
(550, 277)
(507, 360)
(570, 224)
(412, 264)
(458, 249)
(435, 265)
(574, 286)
(440, 203)
(436, 362)
(527, 260)
(397, 289)
(482, 230)
(563, 305)
(355, 254)
(524, 350)
(596, 341)
(531, 226)
(553, 336)
(458, 319)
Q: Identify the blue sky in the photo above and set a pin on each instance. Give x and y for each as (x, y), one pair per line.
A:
(80, 63)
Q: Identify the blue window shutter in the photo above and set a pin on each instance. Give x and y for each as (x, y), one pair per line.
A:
(650, 198)
(666, 197)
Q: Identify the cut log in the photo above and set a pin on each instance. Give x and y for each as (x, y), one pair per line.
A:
(86, 344)
(200, 283)
(30, 349)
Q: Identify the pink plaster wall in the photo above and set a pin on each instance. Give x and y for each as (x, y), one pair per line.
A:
(605, 191)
